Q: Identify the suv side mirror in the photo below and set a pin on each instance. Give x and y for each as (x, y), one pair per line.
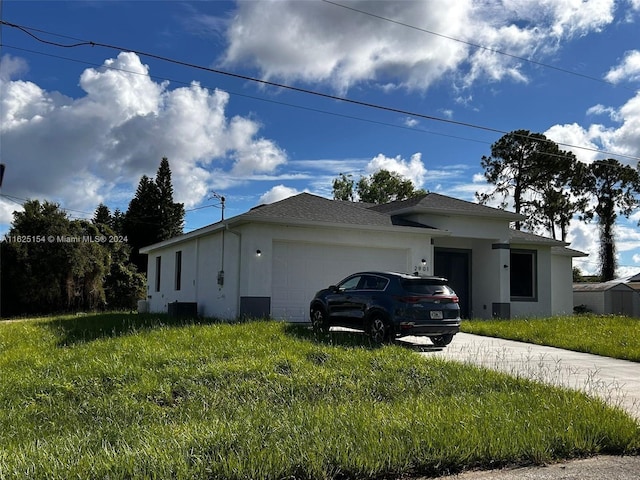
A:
(334, 289)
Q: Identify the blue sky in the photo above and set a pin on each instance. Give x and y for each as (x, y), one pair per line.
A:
(80, 125)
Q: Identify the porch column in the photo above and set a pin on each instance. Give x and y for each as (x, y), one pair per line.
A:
(501, 306)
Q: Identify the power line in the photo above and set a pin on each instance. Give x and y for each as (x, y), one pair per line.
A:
(253, 97)
(27, 31)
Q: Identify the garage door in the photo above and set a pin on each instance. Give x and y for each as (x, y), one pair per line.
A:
(300, 270)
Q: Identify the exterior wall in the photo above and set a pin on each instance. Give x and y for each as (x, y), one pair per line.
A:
(202, 259)
(561, 285)
(467, 226)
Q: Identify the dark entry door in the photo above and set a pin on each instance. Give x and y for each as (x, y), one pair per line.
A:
(455, 265)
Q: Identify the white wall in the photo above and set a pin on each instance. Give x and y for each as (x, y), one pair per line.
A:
(562, 284)
(467, 226)
(201, 262)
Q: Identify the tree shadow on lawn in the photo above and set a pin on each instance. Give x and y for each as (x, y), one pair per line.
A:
(345, 337)
(86, 328)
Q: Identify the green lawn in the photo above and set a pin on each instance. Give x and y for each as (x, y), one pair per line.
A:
(141, 396)
(610, 335)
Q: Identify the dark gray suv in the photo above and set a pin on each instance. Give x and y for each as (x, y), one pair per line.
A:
(387, 305)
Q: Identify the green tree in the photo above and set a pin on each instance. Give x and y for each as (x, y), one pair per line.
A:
(89, 264)
(382, 186)
(49, 263)
(123, 285)
(117, 221)
(615, 189)
(523, 164)
(343, 188)
(152, 215)
(554, 204)
(171, 213)
(102, 215)
(142, 221)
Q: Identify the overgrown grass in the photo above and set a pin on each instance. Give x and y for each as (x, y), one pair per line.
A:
(607, 335)
(139, 396)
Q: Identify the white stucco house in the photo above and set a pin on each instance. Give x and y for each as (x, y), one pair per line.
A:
(271, 260)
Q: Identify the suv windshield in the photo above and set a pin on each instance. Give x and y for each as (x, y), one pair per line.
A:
(426, 287)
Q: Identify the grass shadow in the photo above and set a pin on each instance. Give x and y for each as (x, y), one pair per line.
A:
(334, 338)
(90, 327)
(353, 339)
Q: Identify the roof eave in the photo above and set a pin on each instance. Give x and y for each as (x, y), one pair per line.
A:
(315, 223)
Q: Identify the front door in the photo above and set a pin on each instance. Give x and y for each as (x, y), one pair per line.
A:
(455, 265)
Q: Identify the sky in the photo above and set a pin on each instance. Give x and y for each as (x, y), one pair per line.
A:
(94, 94)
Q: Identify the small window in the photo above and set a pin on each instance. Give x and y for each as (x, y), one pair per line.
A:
(178, 279)
(524, 275)
(158, 269)
(371, 282)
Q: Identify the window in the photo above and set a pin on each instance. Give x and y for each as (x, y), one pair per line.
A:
(350, 283)
(372, 282)
(178, 279)
(158, 268)
(524, 275)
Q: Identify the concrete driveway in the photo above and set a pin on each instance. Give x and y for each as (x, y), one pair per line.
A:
(615, 381)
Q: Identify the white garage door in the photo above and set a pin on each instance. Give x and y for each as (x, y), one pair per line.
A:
(300, 270)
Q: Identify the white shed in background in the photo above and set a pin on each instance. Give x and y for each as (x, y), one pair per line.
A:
(614, 298)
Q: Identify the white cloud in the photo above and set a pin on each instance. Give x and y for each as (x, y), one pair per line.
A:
(622, 137)
(410, 122)
(79, 151)
(277, 193)
(628, 70)
(413, 169)
(636, 258)
(316, 41)
(11, 67)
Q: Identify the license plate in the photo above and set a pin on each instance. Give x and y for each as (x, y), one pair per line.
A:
(436, 314)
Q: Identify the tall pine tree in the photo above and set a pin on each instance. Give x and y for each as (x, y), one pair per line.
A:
(152, 215)
(171, 213)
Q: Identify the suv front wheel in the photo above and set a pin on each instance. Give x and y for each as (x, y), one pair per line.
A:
(319, 321)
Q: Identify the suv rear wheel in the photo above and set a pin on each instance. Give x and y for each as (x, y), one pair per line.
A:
(379, 330)
(442, 340)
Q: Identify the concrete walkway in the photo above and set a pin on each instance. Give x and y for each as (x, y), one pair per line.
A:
(615, 381)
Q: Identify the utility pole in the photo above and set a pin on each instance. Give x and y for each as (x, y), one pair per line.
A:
(222, 200)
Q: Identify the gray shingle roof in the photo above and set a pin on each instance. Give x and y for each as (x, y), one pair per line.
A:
(526, 237)
(442, 204)
(307, 207)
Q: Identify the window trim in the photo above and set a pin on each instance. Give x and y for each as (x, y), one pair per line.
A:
(158, 271)
(533, 255)
(178, 270)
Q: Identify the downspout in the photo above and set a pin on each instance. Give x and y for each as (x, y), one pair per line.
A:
(196, 283)
(239, 235)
